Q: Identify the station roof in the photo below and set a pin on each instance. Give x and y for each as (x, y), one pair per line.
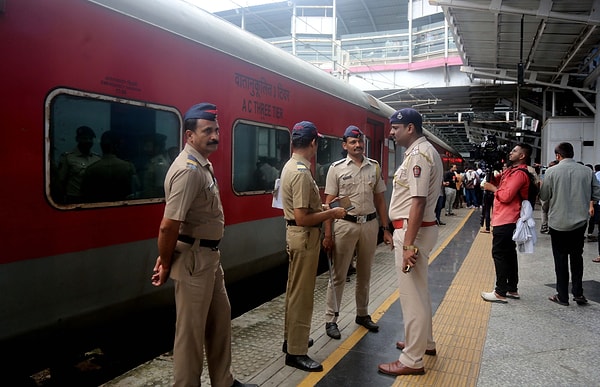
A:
(554, 40)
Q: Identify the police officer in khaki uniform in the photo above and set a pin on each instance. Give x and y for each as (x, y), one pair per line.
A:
(188, 240)
(416, 188)
(72, 165)
(358, 178)
(304, 214)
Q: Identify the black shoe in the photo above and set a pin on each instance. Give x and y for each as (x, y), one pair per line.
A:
(284, 346)
(580, 300)
(333, 331)
(366, 322)
(237, 383)
(440, 223)
(303, 362)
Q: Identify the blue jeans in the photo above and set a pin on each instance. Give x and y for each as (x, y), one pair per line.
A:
(470, 197)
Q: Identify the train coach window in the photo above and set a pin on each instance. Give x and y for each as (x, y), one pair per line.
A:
(106, 152)
(259, 153)
(330, 150)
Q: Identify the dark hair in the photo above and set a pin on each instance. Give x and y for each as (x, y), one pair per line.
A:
(564, 149)
(301, 142)
(190, 124)
(526, 148)
(597, 167)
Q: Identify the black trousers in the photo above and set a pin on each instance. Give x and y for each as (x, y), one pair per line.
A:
(486, 210)
(504, 252)
(568, 246)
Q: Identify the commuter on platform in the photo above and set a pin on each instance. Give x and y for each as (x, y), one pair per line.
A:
(569, 188)
(471, 180)
(440, 206)
(415, 192)
(304, 214)
(487, 202)
(597, 175)
(595, 207)
(544, 226)
(359, 179)
(188, 240)
(450, 189)
(72, 165)
(508, 196)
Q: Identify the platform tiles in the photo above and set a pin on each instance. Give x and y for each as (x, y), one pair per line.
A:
(527, 342)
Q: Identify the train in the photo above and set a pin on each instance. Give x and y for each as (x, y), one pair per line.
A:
(74, 71)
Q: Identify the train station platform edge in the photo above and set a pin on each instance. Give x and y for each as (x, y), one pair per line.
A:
(527, 342)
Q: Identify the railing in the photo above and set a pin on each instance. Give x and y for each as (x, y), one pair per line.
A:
(374, 48)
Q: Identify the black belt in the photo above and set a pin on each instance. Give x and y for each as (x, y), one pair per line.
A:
(292, 222)
(202, 242)
(360, 218)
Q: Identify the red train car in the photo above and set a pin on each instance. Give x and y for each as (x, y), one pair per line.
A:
(126, 71)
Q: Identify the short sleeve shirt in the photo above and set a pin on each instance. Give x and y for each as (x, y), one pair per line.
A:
(358, 183)
(192, 196)
(71, 168)
(298, 188)
(420, 175)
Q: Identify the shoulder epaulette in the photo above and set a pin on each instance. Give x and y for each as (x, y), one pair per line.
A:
(301, 167)
(337, 162)
(373, 160)
(191, 162)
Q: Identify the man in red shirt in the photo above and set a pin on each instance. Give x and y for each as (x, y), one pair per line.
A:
(512, 190)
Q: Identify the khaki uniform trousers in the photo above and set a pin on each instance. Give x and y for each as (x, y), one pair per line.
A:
(303, 247)
(203, 317)
(350, 237)
(414, 296)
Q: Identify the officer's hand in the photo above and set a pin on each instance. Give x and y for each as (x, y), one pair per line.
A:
(388, 239)
(409, 258)
(161, 274)
(338, 212)
(328, 243)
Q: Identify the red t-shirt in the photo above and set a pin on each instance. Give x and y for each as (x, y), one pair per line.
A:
(512, 190)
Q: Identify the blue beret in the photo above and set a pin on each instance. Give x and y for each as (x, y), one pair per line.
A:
(353, 131)
(205, 111)
(407, 116)
(305, 129)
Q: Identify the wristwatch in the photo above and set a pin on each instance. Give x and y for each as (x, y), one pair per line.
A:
(411, 247)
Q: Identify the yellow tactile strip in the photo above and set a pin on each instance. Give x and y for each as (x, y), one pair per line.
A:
(460, 323)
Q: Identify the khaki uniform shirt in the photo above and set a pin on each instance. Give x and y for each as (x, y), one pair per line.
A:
(192, 196)
(71, 167)
(419, 175)
(299, 189)
(358, 183)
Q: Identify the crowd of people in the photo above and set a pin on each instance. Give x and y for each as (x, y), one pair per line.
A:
(352, 216)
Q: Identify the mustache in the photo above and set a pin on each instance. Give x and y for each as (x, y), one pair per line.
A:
(214, 142)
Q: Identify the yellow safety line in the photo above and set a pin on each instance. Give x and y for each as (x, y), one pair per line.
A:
(347, 345)
(460, 323)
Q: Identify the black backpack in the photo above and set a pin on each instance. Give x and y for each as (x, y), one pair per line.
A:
(534, 190)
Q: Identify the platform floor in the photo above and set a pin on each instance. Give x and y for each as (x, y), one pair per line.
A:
(527, 342)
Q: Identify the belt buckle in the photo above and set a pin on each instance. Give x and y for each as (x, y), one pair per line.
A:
(361, 219)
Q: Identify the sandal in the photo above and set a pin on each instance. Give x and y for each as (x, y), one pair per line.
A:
(580, 300)
(597, 259)
(555, 298)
